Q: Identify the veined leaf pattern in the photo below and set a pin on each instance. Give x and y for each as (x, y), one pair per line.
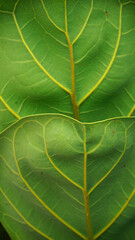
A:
(75, 58)
(81, 187)
(70, 57)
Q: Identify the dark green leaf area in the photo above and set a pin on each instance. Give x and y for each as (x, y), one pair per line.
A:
(3, 233)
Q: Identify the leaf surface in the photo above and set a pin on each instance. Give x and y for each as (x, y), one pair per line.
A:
(71, 57)
(62, 179)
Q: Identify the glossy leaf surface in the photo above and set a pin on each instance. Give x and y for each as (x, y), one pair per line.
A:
(71, 57)
(62, 179)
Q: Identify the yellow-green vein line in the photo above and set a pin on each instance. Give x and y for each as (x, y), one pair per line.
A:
(116, 217)
(73, 95)
(70, 195)
(12, 217)
(76, 132)
(100, 142)
(86, 197)
(129, 94)
(101, 180)
(25, 220)
(50, 18)
(132, 110)
(132, 124)
(111, 62)
(33, 56)
(65, 45)
(87, 19)
(11, 169)
(38, 198)
(9, 108)
(2, 11)
(57, 169)
(129, 2)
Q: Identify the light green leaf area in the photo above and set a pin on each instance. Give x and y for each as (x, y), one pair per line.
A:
(66, 56)
(62, 179)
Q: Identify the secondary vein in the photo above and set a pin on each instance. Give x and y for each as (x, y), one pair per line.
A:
(10, 110)
(111, 62)
(32, 54)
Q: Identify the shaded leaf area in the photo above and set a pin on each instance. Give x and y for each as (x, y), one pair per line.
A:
(70, 57)
(133, 114)
(3, 233)
(62, 179)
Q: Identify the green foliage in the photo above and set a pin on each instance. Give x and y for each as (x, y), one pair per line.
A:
(60, 167)
(35, 59)
(61, 178)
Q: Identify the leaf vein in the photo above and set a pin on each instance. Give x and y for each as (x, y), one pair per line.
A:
(26, 221)
(9, 108)
(58, 170)
(39, 199)
(111, 62)
(87, 19)
(116, 217)
(43, 4)
(33, 56)
(106, 175)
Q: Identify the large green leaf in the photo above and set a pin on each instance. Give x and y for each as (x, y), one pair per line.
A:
(62, 179)
(67, 56)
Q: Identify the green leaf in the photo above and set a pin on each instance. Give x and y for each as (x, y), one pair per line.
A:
(71, 57)
(62, 179)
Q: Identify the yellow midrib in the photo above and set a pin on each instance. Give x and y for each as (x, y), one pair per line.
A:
(73, 94)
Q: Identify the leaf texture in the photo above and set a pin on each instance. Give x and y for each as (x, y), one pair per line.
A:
(62, 179)
(70, 57)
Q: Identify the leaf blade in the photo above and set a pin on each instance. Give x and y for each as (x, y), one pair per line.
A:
(32, 176)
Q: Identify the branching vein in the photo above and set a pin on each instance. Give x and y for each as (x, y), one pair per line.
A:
(111, 62)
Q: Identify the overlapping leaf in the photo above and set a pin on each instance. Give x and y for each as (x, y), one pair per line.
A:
(70, 57)
(61, 179)
(76, 58)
